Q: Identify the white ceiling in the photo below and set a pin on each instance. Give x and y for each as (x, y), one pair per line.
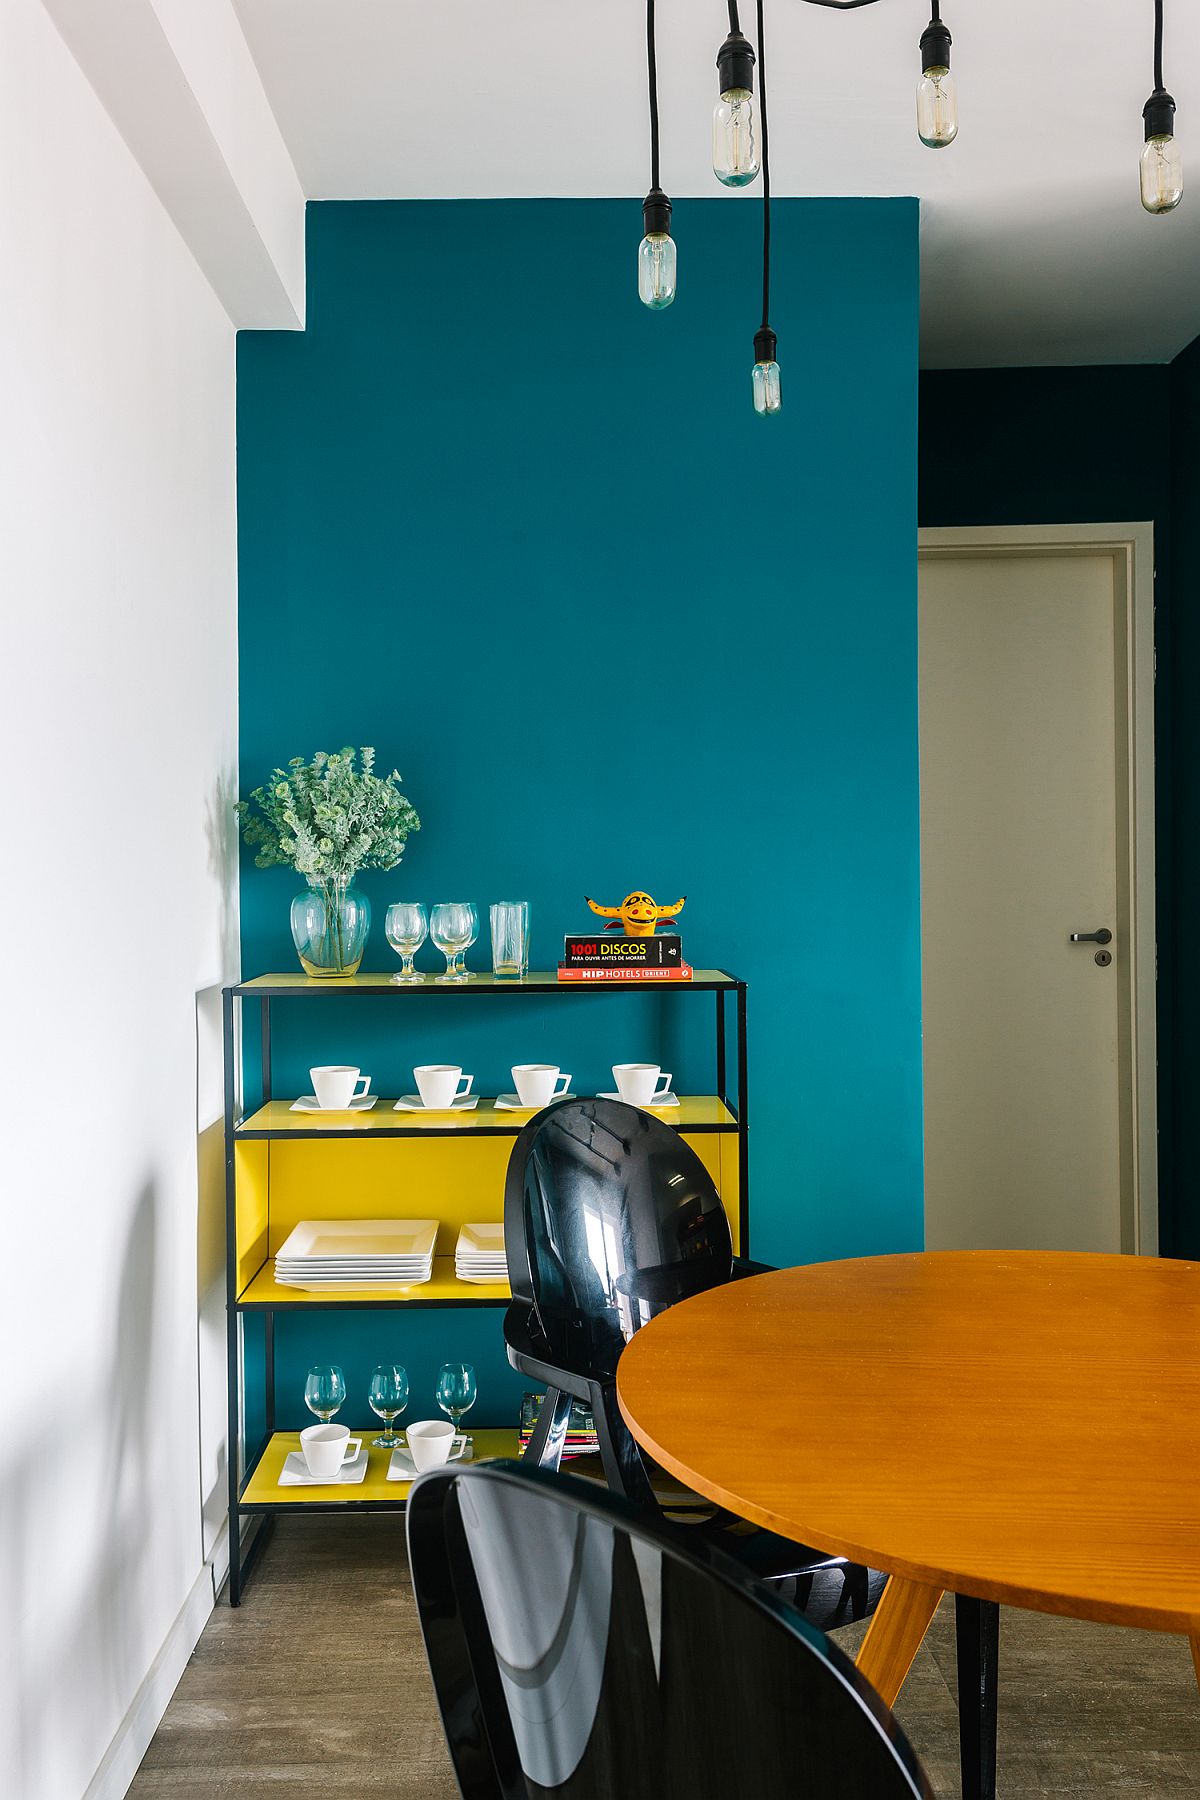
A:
(1034, 246)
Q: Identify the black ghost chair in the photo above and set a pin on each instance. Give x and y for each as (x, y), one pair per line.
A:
(609, 1218)
(580, 1650)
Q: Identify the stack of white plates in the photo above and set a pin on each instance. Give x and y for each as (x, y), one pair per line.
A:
(479, 1254)
(357, 1253)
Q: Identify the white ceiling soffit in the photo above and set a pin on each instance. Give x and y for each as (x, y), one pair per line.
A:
(1035, 248)
(179, 85)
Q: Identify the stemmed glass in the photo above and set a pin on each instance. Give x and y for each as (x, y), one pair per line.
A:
(453, 926)
(455, 1391)
(325, 1391)
(388, 1394)
(406, 930)
(473, 915)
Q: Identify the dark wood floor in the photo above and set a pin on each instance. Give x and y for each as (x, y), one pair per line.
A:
(317, 1688)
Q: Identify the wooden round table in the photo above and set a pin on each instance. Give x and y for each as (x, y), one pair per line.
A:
(1021, 1427)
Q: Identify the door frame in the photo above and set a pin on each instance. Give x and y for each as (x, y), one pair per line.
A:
(1131, 549)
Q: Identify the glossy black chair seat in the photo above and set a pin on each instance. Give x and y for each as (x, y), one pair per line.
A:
(610, 1218)
(579, 1651)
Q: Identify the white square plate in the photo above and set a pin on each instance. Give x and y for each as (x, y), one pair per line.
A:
(317, 1284)
(481, 1240)
(348, 1239)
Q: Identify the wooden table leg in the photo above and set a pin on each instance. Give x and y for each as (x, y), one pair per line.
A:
(1195, 1643)
(895, 1633)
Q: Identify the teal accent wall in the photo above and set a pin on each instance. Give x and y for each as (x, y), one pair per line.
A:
(530, 540)
(1092, 446)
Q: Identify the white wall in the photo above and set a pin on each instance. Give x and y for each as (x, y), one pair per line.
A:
(118, 700)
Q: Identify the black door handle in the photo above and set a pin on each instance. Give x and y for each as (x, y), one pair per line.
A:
(1091, 937)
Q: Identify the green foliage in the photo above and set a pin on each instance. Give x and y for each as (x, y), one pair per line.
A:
(326, 819)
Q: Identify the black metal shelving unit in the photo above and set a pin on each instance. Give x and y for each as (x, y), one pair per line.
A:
(246, 1500)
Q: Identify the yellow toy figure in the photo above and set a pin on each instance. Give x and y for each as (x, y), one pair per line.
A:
(638, 914)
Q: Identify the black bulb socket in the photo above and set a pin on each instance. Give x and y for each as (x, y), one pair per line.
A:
(765, 345)
(735, 64)
(1159, 114)
(935, 46)
(656, 212)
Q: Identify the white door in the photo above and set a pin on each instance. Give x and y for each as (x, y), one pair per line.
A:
(1031, 1041)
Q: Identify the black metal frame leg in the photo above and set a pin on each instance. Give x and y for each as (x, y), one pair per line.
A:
(550, 1432)
(977, 1637)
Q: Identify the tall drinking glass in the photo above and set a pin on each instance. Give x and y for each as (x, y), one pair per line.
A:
(510, 939)
(407, 930)
(453, 924)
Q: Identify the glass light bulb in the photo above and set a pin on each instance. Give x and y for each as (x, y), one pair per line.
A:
(937, 108)
(735, 140)
(768, 398)
(1161, 174)
(656, 270)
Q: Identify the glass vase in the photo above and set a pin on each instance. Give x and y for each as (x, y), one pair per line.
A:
(330, 922)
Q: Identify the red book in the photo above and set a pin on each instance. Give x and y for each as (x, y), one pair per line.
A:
(630, 977)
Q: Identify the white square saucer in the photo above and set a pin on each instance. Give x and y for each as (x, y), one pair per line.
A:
(309, 1103)
(414, 1103)
(514, 1102)
(667, 1099)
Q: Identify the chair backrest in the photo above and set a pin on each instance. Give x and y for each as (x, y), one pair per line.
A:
(580, 1650)
(609, 1218)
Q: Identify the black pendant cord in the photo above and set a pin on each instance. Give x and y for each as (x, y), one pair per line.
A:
(734, 23)
(652, 76)
(766, 171)
(937, 12)
(1158, 37)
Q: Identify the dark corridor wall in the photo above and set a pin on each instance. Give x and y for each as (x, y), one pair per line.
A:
(1091, 446)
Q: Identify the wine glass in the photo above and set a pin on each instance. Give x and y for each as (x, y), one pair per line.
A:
(406, 929)
(453, 924)
(455, 1391)
(388, 1394)
(325, 1391)
(460, 966)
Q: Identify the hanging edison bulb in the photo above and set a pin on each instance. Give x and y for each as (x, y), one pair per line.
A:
(1161, 169)
(937, 95)
(734, 137)
(656, 253)
(764, 377)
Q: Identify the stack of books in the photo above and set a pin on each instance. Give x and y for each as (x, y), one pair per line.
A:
(595, 956)
(581, 1439)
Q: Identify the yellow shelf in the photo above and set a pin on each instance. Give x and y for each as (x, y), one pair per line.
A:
(695, 1112)
(263, 1488)
(540, 980)
(444, 1289)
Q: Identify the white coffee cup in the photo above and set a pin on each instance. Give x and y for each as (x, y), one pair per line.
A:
(641, 1084)
(537, 1084)
(326, 1448)
(441, 1084)
(430, 1442)
(336, 1085)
